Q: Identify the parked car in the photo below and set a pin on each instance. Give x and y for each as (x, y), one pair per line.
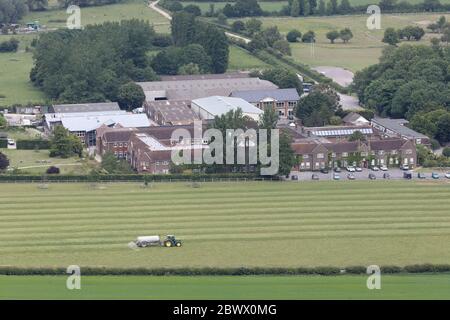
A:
(337, 169)
(421, 175)
(11, 142)
(435, 175)
(384, 168)
(447, 175)
(324, 170)
(375, 168)
(294, 177)
(404, 167)
(336, 176)
(315, 177)
(372, 176)
(351, 169)
(407, 175)
(351, 176)
(386, 175)
(358, 169)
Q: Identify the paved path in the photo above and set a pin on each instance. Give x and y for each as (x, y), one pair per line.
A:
(154, 6)
(339, 75)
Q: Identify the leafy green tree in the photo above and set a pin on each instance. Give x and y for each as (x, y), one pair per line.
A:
(238, 26)
(318, 106)
(269, 119)
(306, 8)
(295, 8)
(190, 68)
(11, 11)
(332, 35)
(130, 96)
(322, 9)
(390, 37)
(293, 36)
(193, 9)
(215, 43)
(309, 37)
(271, 35)
(282, 77)
(37, 5)
(346, 34)
(446, 152)
(3, 122)
(357, 136)
(112, 165)
(183, 28)
(287, 157)
(345, 7)
(333, 7)
(283, 47)
(64, 144)
(4, 162)
(253, 26)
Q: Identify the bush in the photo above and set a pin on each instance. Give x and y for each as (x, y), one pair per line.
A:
(3, 143)
(9, 46)
(293, 36)
(33, 144)
(53, 170)
(446, 152)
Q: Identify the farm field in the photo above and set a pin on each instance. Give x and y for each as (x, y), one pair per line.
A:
(424, 286)
(132, 9)
(241, 59)
(363, 50)
(227, 224)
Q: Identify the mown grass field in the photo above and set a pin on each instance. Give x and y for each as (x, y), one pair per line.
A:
(222, 288)
(363, 50)
(227, 224)
(241, 59)
(132, 9)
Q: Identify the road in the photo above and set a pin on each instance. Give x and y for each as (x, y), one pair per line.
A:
(154, 6)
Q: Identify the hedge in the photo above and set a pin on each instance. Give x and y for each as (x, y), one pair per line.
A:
(3, 143)
(208, 271)
(33, 144)
(126, 177)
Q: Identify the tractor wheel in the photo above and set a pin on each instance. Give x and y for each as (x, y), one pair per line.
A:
(178, 244)
(167, 244)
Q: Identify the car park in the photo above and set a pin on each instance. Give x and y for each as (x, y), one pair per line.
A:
(351, 176)
(386, 175)
(435, 175)
(421, 175)
(336, 176)
(372, 176)
(351, 169)
(315, 177)
(384, 168)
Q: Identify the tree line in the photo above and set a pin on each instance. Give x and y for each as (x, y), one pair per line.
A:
(412, 82)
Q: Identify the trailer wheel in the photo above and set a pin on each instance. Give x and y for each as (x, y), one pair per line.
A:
(178, 244)
(167, 244)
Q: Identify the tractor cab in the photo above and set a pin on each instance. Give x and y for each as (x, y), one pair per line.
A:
(171, 241)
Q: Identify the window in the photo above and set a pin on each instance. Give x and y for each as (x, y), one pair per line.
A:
(381, 152)
(320, 156)
(345, 154)
(333, 155)
(408, 151)
(306, 156)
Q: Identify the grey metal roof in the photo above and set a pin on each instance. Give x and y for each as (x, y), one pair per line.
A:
(217, 105)
(290, 94)
(86, 107)
(199, 88)
(397, 126)
(176, 112)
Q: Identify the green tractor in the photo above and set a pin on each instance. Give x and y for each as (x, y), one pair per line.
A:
(171, 241)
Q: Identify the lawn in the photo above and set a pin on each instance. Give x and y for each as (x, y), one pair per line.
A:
(132, 9)
(227, 224)
(363, 50)
(241, 59)
(37, 162)
(269, 6)
(424, 286)
(15, 85)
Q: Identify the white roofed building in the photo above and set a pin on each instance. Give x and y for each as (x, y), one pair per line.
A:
(210, 107)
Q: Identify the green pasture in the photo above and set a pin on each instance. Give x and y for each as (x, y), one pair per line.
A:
(423, 286)
(241, 59)
(227, 224)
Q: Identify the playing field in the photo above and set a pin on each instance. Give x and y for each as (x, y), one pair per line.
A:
(424, 286)
(241, 59)
(363, 50)
(227, 224)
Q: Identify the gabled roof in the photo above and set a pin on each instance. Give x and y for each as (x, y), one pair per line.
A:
(259, 95)
(353, 117)
(398, 126)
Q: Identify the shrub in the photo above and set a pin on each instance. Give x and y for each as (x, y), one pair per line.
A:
(53, 170)
(293, 36)
(446, 152)
(3, 143)
(9, 46)
(33, 144)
